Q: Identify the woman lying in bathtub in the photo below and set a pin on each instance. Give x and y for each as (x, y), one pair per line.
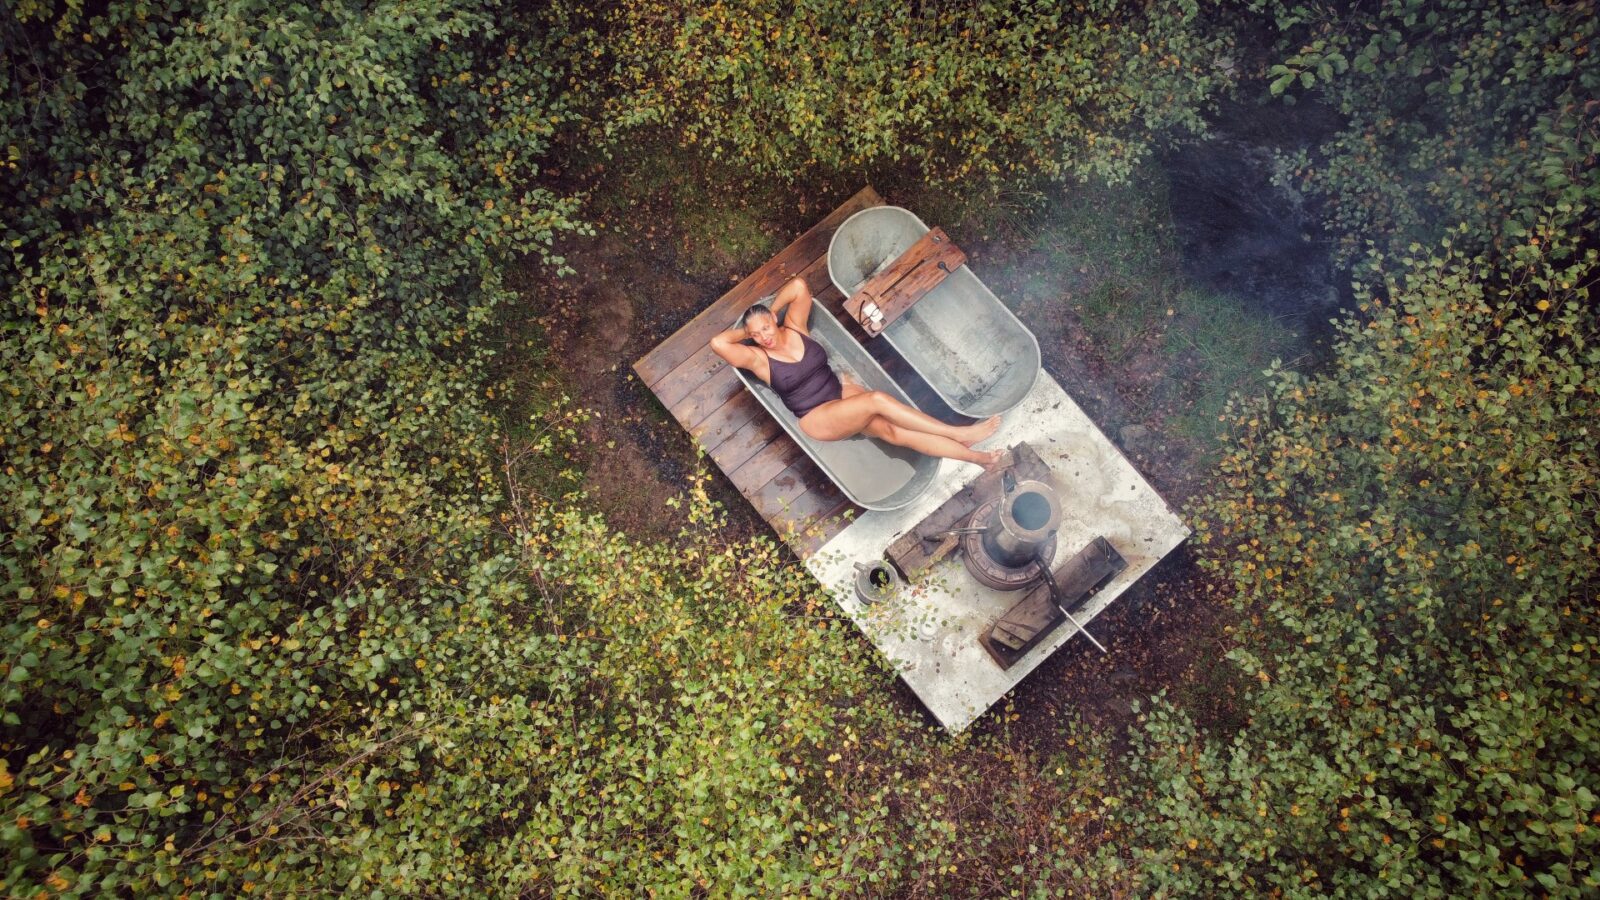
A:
(796, 367)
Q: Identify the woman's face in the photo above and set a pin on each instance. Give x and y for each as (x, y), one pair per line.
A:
(764, 331)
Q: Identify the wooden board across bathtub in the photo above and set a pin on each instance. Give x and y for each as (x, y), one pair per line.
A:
(704, 394)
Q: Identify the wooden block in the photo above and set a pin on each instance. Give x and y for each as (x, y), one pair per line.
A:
(915, 551)
(1022, 626)
(908, 279)
(1080, 577)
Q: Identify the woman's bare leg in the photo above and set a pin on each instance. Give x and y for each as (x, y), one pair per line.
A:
(930, 444)
(851, 415)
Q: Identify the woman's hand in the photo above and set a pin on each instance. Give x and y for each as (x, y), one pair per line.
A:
(731, 346)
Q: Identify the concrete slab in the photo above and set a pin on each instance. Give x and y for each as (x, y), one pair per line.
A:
(929, 631)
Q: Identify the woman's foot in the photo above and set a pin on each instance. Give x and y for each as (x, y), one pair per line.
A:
(977, 431)
(990, 459)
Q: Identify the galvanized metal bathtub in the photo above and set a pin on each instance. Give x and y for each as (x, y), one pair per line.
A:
(960, 338)
(871, 473)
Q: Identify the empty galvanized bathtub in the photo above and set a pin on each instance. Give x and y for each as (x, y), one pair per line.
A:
(960, 338)
(871, 473)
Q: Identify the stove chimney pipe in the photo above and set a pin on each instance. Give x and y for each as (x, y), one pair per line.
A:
(1026, 520)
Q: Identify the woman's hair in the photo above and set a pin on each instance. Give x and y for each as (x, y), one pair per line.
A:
(756, 311)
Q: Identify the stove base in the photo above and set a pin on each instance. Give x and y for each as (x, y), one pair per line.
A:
(987, 569)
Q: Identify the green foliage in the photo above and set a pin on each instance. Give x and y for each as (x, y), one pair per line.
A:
(712, 727)
(272, 623)
(248, 605)
(1457, 112)
(958, 91)
(682, 755)
(1412, 536)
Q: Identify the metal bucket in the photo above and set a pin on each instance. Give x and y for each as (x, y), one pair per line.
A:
(960, 338)
(876, 581)
(874, 475)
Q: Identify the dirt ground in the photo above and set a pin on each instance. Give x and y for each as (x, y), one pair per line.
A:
(647, 272)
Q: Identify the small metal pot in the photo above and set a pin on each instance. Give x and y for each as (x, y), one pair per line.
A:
(875, 580)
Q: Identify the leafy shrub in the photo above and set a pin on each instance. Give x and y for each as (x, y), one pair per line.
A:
(980, 91)
(1458, 112)
(249, 608)
(1412, 536)
(270, 625)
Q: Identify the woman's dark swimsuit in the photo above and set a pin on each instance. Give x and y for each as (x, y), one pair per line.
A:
(807, 383)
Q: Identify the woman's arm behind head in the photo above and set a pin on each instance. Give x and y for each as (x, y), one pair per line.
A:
(731, 347)
(795, 296)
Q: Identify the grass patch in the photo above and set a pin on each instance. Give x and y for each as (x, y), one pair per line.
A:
(1110, 254)
(721, 233)
(1220, 347)
(533, 401)
(721, 216)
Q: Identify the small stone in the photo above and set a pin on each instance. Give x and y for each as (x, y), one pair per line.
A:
(1133, 434)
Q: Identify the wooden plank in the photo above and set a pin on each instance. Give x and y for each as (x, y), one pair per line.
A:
(821, 495)
(898, 268)
(775, 498)
(766, 464)
(1087, 571)
(921, 268)
(687, 376)
(698, 406)
(747, 442)
(823, 527)
(1022, 626)
(841, 504)
(726, 420)
(799, 256)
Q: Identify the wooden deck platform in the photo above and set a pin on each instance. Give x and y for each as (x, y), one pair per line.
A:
(704, 394)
